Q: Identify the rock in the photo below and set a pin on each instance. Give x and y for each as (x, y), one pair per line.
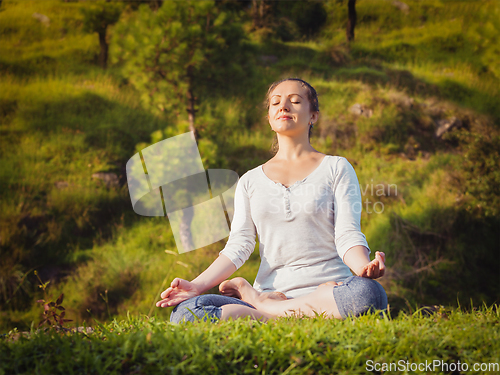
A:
(109, 178)
(83, 329)
(401, 99)
(358, 109)
(446, 125)
(61, 184)
(42, 18)
(425, 155)
(408, 102)
(403, 7)
(268, 59)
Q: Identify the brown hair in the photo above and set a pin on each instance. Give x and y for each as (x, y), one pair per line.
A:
(312, 96)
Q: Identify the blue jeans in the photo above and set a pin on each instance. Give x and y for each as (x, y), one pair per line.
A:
(355, 297)
(206, 306)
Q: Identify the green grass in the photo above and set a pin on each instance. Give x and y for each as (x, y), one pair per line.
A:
(139, 344)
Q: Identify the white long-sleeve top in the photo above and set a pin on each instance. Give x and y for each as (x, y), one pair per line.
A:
(303, 230)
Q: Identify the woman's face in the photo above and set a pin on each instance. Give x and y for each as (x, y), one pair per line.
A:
(289, 109)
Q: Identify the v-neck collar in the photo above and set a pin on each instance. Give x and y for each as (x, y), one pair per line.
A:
(298, 181)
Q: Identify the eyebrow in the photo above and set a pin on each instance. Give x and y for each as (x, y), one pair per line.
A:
(288, 95)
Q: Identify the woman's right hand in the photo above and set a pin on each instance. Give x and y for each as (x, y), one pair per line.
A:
(179, 291)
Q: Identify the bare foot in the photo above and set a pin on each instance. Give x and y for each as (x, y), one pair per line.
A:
(240, 288)
(274, 295)
(230, 288)
(332, 283)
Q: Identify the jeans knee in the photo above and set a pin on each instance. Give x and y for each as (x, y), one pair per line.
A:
(359, 295)
(196, 308)
(180, 313)
(371, 296)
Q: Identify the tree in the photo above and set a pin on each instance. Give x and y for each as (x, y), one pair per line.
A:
(260, 10)
(171, 54)
(307, 16)
(97, 17)
(351, 20)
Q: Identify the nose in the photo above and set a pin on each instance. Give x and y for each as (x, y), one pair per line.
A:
(284, 106)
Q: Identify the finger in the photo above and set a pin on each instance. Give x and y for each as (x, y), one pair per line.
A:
(174, 301)
(331, 283)
(382, 269)
(183, 284)
(164, 303)
(369, 270)
(175, 282)
(366, 270)
(382, 255)
(376, 265)
(161, 303)
(362, 273)
(373, 268)
(166, 293)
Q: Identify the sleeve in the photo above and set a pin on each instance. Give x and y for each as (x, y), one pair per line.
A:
(241, 242)
(347, 208)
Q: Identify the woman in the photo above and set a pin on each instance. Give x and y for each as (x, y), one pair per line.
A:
(305, 207)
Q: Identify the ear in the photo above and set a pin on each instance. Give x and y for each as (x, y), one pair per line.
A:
(314, 117)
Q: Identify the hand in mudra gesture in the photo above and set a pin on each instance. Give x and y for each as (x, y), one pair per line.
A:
(374, 269)
(180, 290)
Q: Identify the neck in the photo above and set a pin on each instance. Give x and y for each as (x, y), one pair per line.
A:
(293, 148)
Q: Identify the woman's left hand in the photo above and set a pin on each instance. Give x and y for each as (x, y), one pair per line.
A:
(374, 269)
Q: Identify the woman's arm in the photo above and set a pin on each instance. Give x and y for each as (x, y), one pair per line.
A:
(181, 290)
(349, 240)
(218, 271)
(357, 260)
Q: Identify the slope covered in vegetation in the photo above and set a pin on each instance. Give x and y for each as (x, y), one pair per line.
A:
(412, 103)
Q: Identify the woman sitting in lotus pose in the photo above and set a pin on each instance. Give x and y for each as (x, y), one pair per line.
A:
(305, 207)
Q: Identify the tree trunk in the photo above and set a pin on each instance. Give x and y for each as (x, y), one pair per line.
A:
(191, 112)
(191, 104)
(351, 21)
(262, 12)
(154, 5)
(185, 231)
(259, 10)
(103, 55)
(187, 218)
(255, 15)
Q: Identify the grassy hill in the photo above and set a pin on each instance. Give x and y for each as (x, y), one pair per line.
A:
(431, 203)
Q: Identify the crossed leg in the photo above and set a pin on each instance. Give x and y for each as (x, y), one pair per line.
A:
(272, 305)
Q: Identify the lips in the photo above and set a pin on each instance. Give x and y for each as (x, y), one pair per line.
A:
(284, 118)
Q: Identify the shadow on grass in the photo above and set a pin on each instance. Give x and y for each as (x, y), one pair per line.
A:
(105, 124)
(442, 266)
